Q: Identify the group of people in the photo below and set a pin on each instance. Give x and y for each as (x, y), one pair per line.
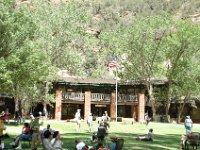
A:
(98, 135)
(104, 118)
(50, 139)
(189, 138)
(80, 145)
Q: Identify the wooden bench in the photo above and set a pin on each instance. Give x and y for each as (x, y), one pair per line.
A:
(27, 140)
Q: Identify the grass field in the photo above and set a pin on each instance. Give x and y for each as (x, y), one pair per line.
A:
(166, 136)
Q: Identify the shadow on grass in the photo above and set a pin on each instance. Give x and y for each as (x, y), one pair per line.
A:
(13, 124)
(161, 142)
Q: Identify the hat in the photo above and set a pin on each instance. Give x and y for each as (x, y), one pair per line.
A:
(187, 117)
(32, 117)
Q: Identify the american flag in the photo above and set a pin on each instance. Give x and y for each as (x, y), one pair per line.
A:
(113, 63)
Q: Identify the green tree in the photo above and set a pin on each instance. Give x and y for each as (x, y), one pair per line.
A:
(181, 48)
(143, 48)
(21, 63)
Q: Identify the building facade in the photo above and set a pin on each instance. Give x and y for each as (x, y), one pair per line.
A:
(98, 96)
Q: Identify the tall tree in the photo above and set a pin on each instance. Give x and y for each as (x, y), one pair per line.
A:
(143, 47)
(21, 63)
(181, 48)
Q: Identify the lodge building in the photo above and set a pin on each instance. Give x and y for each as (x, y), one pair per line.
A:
(98, 96)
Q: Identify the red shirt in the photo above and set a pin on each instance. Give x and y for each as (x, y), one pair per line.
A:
(26, 130)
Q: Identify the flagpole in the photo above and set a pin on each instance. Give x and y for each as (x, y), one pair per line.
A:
(116, 95)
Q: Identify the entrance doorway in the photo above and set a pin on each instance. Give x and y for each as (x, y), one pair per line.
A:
(69, 110)
(99, 110)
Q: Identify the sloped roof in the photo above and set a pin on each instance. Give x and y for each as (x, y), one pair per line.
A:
(90, 81)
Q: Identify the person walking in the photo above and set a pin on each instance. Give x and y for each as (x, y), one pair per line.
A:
(188, 124)
(78, 119)
(89, 121)
(35, 128)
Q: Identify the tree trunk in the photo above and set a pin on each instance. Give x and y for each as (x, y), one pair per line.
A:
(16, 104)
(45, 100)
(167, 110)
(152, 100)
(153, 107)
(180, 111)
(45, 110)
(168, 103)
(179, 117)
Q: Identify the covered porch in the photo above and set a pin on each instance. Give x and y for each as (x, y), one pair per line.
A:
(98, 98)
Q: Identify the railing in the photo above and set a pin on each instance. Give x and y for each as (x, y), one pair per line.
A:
(79, 96)
(74, 96)
(127, 98)
(100, 97)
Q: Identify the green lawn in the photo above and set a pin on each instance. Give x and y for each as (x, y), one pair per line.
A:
(167, 136)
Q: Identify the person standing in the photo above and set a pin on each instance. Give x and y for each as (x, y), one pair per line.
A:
(147, 118)
(35, 128)
(7, 116)
(78, 119)
(188, 124)
(2, 127)
(89, 121)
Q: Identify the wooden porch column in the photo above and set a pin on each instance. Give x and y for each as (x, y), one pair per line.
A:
(58, 105)
(113, 105)
(134, 112)
(87, 105)
(141, 106)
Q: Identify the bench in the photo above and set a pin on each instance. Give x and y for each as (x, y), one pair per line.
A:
(27, 140)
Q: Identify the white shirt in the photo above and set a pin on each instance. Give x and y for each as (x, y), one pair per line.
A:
(47, 144)
(80, 145)
(77, 116)
(58, 143)
(90, 119)
(150, 135)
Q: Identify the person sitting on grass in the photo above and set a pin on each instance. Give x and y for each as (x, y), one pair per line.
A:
(100, 146)
(79, 145)
(113, 145)
(100, 133)
(44, 130)
(48, 128)
(148, 137)
(47, 145)
(57, 141)
(26, 134)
